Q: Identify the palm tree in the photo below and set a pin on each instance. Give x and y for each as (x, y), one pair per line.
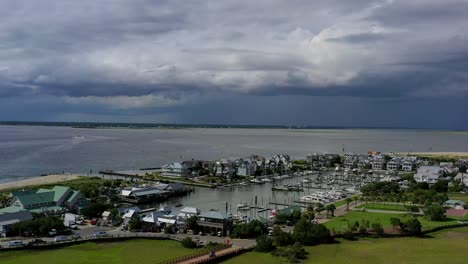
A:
(348, 200)
(331, 208)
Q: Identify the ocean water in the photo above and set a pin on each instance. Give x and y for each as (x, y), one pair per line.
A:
(29, 151)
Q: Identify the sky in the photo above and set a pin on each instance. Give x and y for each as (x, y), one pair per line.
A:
(358, 63)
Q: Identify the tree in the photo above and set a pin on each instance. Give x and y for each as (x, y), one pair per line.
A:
(192, 223)
(281, 238)
(252, 229)
(319, 208)
(134, 224)
(95, 210)
(188, 243)
(395, 222)
(308, 233)
(435, 213)
(39, 226)
(441, 186)
(264, 244)
(348, 200)
(412, 226)
(331, 208)
(377, 228)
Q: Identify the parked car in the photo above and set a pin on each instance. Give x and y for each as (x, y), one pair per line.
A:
(101, 234)
(76, 236)
(15, 243)
(36, 241)
(61, 239)
(53, 232)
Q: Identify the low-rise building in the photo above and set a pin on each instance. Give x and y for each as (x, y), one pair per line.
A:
(394, 164)
(408, 163)
(429, 174)
(455, 204)
(378, 163)
(177, 169)
(9, 219)
(214, 221)
(56, 200)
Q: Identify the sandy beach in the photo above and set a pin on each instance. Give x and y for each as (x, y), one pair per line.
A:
(39, 180)
(451, 154)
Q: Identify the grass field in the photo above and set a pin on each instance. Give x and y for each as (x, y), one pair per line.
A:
(378, 206)
(458, 196)
(341, 223)
(448, 246)
(135, 251)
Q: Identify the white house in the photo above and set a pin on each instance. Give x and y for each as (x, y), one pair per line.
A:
(246, 168)
(188, 212)
(408, 163)
(378, 163)
(429, 174)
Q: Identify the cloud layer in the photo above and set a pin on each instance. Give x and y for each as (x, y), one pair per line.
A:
(158, 54)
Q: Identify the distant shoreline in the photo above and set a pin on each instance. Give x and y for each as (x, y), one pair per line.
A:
(102, 125)
(49, 179)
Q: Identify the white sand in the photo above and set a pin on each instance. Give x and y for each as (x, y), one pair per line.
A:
(453, 154)
(38, 181)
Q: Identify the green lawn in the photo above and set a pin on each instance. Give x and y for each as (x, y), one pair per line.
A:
(379, 206)
(458, 196)
(341, 223)
(448, 246)
(134, 251)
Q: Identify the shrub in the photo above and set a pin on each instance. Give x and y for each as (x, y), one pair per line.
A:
(293, 253)
(188, 243)
(308, 233)
(435, 213)
(252, 229)
(281, 238)
(377, 228)
(264, 244)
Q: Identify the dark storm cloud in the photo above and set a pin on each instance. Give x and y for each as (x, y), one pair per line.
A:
(156, 54)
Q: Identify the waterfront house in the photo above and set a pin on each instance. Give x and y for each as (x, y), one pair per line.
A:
(394, 164)
(56, 200)
(224, 168)
(449, 168)
(9, 219)
(408, 163)
(177, 169)
(138, 195)
(378, 163)
(214, 221)
(246, 167)
(429, 174)
(188, 212)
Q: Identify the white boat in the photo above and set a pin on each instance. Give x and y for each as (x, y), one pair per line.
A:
(243, 206)
(267, 180)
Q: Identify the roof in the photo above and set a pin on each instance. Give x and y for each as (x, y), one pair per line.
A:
(73, 196)
(36, 198)
(11, 209)
(147, 191)
(106, 213)
(454, 202)
(59, 192)
(190, 210)
(12, 218)
(214, 215)
(289, 210)
(152, 217)
(167, 221)
(129, 214)
(46, 208)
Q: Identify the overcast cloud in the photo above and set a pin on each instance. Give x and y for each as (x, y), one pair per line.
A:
(170, 58)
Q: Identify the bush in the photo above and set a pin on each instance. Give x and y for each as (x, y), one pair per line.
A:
(188, 243)
(169, 229)
(281, 238)
(294, 253)
(412, 227)
(95, 210)
(252, 229)
(39, 226)
(308, 233)
(435, 213)
(377, 228)
(264, 244)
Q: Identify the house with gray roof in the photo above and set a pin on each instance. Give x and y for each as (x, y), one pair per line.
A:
(429, 174)
(214, 221)
(9, 219)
